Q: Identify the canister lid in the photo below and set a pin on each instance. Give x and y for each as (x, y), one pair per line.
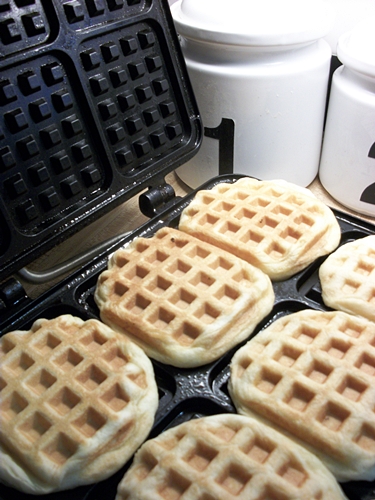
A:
(356, 48)
(253, 22)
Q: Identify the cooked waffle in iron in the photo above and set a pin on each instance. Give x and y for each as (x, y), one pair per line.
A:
(311, 375)
(347, 278)
(77, 400)
(226, 457)
(185, 302)
(274, 225)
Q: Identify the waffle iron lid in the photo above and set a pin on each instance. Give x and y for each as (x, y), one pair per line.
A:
(96, 106)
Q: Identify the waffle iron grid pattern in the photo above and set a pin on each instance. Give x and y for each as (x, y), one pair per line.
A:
(89, 106)
(62, 418)
(23, 24)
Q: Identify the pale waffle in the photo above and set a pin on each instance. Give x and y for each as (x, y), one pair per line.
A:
(185, 302)
(274, 225)
(76, 402)
(311, 375)
(347, 278)
(226, 457)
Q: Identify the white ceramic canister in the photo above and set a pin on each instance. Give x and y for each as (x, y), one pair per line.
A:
(347, 167)
(347, 13)
(259, 70)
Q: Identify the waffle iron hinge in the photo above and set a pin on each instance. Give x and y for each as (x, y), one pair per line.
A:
(12, 293)
(156, 199)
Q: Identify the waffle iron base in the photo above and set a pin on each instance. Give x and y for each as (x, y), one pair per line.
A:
(183, 393)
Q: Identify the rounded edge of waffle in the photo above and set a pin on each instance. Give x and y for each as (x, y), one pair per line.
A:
(347, 278)
(252, 236)
(66, 441)
(222, 456)
(314, 386)
(197, 328)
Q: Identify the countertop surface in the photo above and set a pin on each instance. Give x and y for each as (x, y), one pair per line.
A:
(127, 217)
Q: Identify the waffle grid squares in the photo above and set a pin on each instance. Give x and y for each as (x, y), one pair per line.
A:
(178, 279)
(274, 227)
(348, 278)
(200, 456)
(64, 401)
(318, 370)
(290, 232)
(329, 383)
(366, 437)
(23, 25)
(242, 462)
(61, 406)
(42, 133)
(366, 363)
(183, 301)
(48, 343)
(35, 426)
(68, 360)
(41, 381)
(131, 92)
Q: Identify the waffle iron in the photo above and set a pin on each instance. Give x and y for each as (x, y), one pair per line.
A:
(96, 108)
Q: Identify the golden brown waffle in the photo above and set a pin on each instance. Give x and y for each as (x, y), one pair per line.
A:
(183, 301)
(311, 375)
(77, 400)
(348, 278)
(274, 225)
(225, 457)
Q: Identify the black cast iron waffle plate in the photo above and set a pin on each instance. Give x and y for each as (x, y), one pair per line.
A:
(183, 393)
(95, 104)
